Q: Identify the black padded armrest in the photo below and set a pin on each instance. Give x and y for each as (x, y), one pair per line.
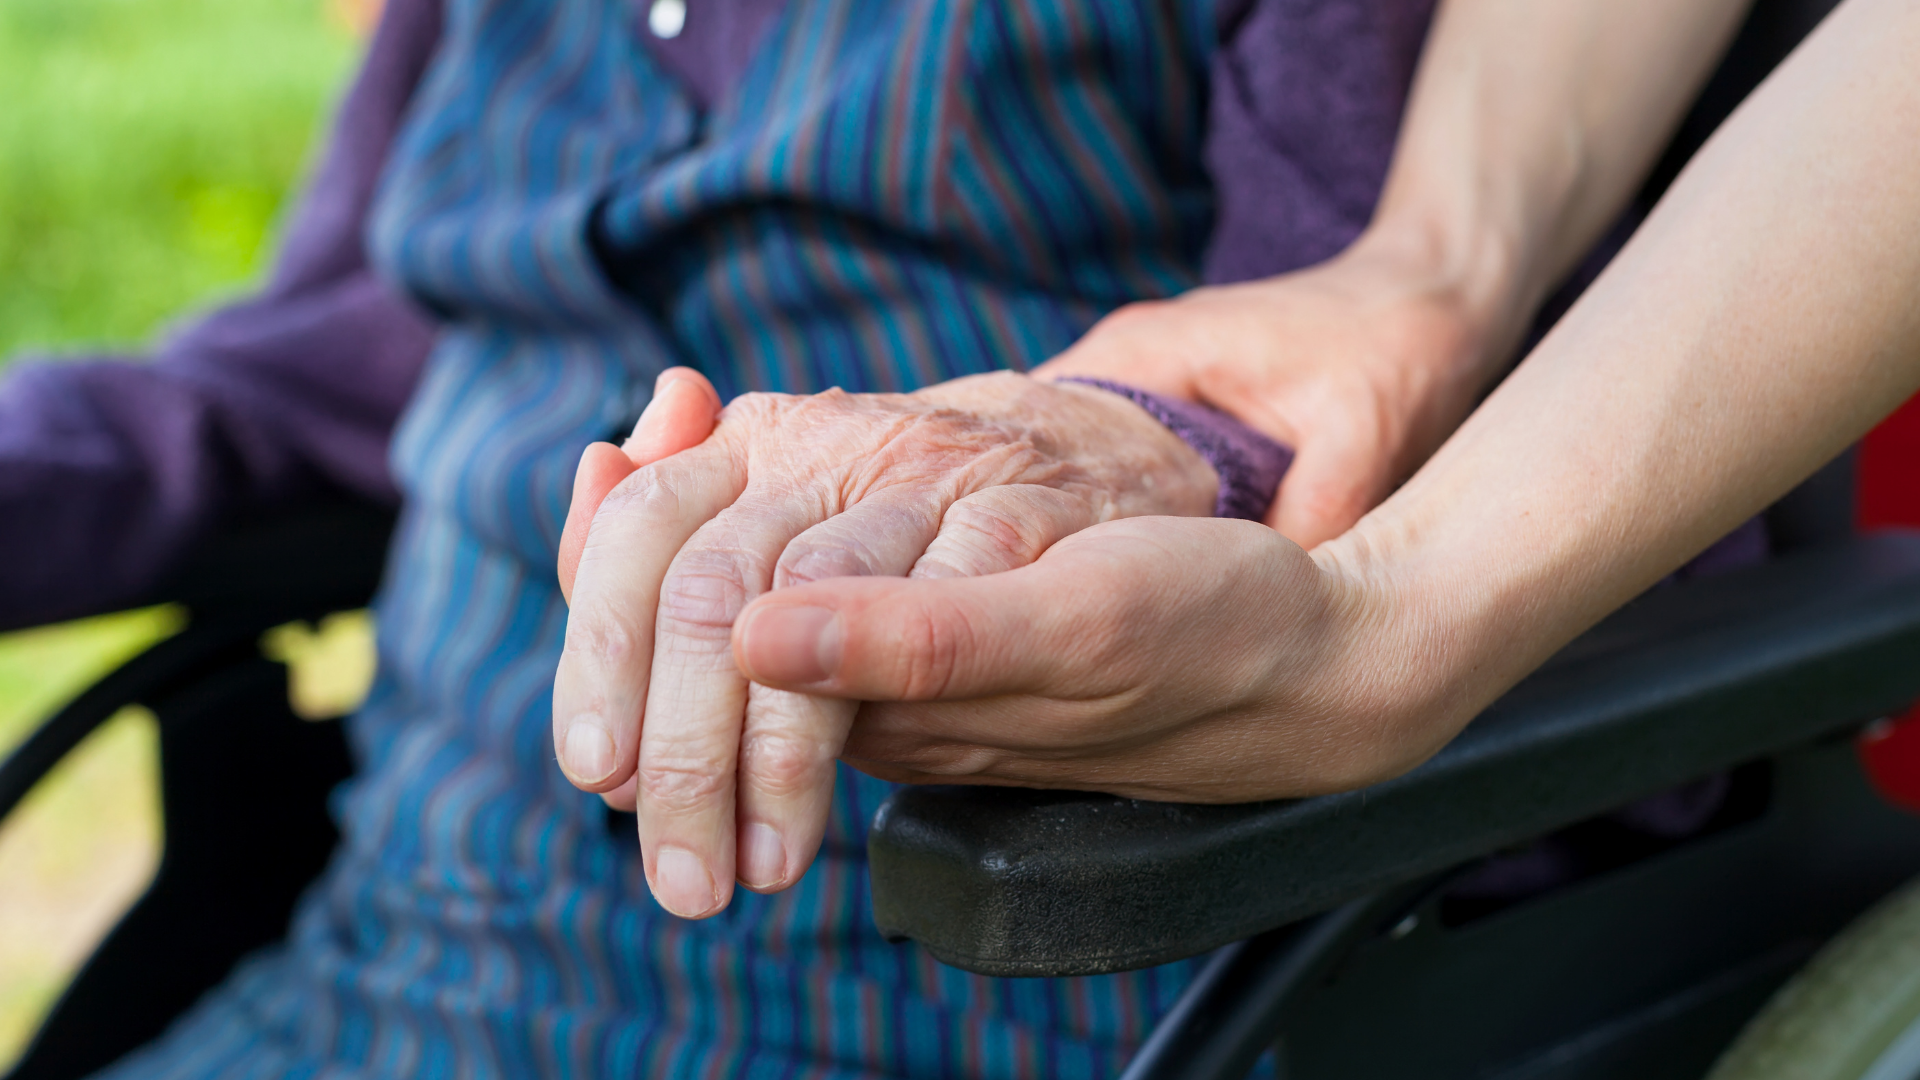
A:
(1685, 681)
(300, 566)
(320, 559)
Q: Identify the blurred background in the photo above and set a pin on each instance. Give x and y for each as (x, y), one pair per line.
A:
(147, 151)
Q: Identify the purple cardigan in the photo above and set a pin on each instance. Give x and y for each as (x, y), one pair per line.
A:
(110, 471)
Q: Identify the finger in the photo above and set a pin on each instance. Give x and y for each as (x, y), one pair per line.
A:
(681, 415)
(602, 467)
(600, 685)
(1060, 626)
(790, 741)
(684, 409)
(622, 797)
(1001, 529)
(696, 700)
(934, 639)
(786, 775)
(880, 536)
(1335, 478)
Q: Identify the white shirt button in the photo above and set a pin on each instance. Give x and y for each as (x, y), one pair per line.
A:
(666, 18)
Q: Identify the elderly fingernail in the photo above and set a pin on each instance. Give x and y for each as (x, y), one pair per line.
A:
(789, 643)
(763, 857)
(588, 751)
(682, 884)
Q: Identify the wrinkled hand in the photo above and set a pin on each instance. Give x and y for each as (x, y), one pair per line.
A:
(1363, 365)
(1232, 666)
(974, 476)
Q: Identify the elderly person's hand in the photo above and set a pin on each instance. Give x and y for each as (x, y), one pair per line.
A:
(973, 476)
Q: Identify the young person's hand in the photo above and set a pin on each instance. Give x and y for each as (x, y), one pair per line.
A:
(1188, 660)
(1363, 365)
(973, 476)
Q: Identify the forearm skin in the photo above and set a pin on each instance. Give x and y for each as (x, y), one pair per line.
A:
(1766, 314)
(1529, 127)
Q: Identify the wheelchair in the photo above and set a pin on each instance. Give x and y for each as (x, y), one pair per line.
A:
(1341, 941)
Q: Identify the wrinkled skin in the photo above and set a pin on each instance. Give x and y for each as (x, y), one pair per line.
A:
(972, 477)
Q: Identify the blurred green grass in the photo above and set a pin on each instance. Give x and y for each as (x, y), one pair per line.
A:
(147, 148)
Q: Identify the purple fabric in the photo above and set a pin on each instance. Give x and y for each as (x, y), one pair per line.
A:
(714, 45)
(1249, 464)
(1305, 104)
(110, 471)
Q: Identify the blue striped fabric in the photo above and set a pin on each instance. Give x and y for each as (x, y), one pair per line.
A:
(896, 192)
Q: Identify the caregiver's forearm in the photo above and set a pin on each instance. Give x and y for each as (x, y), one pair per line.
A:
(1529, 127)
(1766, 315)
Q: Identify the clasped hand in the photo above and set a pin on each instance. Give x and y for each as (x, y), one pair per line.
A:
(969, 562)
(672, 537)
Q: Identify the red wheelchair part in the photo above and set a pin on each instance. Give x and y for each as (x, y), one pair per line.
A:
(1888, 494)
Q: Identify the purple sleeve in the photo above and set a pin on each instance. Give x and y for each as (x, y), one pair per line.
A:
(1249, 464)
(110, 470)
(1304, 108)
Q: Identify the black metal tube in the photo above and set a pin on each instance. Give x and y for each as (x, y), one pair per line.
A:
(153, 672)
(1235, 1007)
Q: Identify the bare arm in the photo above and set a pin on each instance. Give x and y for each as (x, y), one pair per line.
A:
(1529, 127)
(1764, 317)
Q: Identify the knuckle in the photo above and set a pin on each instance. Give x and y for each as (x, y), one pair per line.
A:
(994, 530)
(864, 543)
(648, 493)
(599, 637)
(817, 561)
(675, 784)
(757, 407)
(764, 416)
(781, 764)
(701, 600)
